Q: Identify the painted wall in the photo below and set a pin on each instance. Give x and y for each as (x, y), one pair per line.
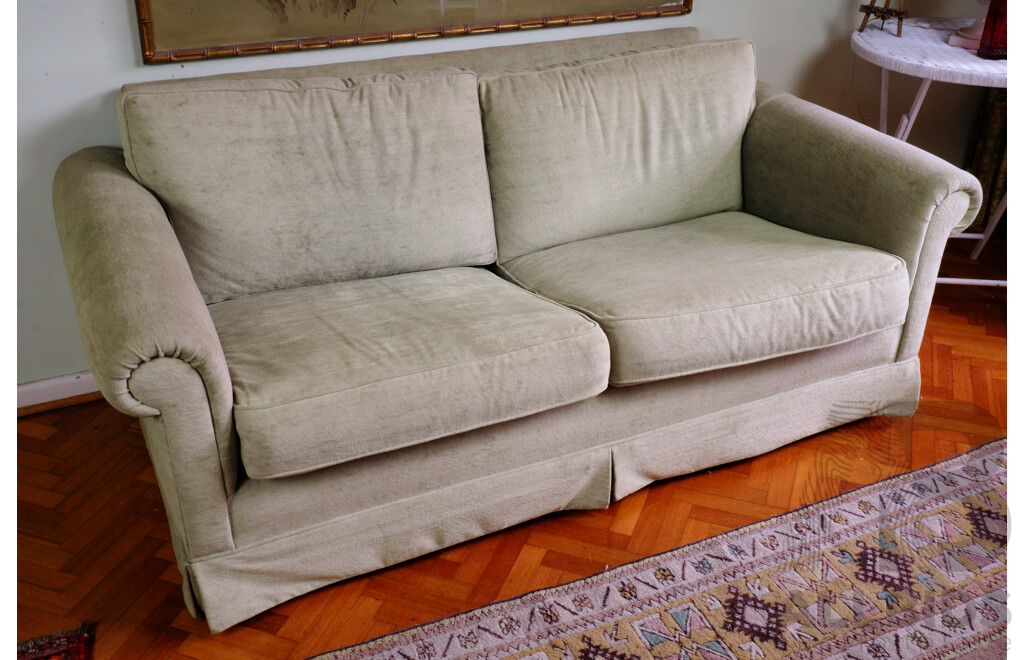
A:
(74, 56)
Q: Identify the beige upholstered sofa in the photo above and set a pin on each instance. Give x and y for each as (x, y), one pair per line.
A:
(370, 310)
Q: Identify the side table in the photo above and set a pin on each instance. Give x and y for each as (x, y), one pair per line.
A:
(924, 52)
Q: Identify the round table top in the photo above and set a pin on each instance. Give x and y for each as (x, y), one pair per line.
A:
(924, 52)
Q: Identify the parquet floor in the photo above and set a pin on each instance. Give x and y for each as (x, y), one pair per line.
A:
(93, 544)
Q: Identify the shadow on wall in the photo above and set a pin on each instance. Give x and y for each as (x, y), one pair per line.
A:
(44, 297)
(841, 81)
(826, 79)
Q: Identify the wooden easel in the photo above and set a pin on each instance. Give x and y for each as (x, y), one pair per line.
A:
(884, 13)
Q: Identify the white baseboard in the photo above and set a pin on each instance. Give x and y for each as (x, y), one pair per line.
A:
(55, 389)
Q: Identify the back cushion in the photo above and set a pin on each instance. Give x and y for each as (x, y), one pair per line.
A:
(273, 184)
(615, 143)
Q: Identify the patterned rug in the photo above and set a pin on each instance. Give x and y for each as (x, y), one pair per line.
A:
(67, 645)
(911, 567)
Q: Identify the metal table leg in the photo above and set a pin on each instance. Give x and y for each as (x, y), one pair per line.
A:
(989, 228)
(907, 120)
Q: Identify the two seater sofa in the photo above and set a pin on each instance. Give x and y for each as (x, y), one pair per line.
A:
(369, 310)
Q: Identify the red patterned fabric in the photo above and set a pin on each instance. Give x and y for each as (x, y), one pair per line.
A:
(69, 645)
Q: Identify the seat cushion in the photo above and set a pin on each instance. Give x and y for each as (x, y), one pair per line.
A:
(327, 374)
(274, 184)
(718, 291)
(615, 143)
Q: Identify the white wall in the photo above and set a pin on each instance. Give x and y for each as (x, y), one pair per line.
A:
(74, 56)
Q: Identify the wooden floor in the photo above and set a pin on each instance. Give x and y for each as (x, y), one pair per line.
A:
(93, 543)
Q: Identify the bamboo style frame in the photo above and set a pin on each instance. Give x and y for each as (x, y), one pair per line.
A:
(152, 53)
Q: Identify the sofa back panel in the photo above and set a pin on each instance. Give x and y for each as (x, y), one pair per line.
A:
(617, 143)
(274, 184)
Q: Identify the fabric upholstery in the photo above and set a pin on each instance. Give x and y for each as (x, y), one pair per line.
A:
(331, 373)
(954, 211)
(273, 506)
(274, 184)
(856, 184)
(718, 291)
(357, 517)
(616, 143)
(135, 299)
(181, 445)
(729, 435)
(245, 544)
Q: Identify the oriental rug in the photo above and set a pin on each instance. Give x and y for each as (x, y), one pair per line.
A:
(66, 645)
(913, 567)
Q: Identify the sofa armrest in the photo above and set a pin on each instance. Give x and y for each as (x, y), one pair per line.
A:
(135, 298)
(816, 171)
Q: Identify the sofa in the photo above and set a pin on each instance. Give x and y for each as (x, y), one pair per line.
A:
(369, 310)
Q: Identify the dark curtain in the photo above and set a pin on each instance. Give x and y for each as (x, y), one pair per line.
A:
(989, 160)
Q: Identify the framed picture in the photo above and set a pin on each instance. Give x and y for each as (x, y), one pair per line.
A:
(179, 30)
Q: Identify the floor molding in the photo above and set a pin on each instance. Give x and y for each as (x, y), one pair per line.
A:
(52, 393)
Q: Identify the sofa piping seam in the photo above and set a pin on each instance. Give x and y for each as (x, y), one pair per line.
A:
(608, 445)
(728, 365)
(321, 466)
(867, 280)
(579, 335)
(929, 223)
(206, 391)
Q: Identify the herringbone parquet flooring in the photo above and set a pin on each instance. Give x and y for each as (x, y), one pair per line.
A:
(93, 544)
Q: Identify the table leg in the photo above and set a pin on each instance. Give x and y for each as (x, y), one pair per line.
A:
(969, 282)
(883, 112)
(989, 228)
(907, 121)
(982, 239)
(902, 133)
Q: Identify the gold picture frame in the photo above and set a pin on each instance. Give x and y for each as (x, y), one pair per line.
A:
(182, 30)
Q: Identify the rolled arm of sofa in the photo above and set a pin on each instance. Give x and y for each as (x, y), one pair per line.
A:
(813, 170)
(135, 298)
